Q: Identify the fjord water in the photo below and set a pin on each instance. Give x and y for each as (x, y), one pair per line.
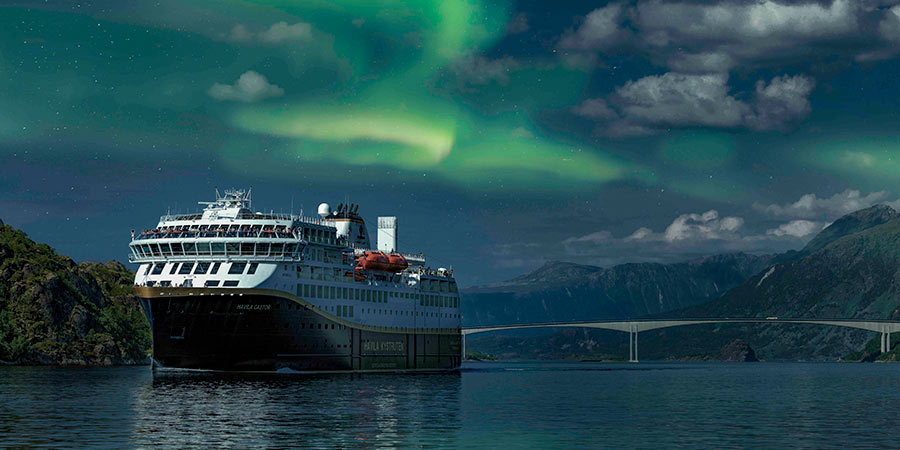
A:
(490, 405)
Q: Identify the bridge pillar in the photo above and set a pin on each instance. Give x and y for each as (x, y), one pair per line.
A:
(632, 345)
(635, 346)
(463, 348)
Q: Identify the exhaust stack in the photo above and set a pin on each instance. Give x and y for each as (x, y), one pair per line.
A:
(387, 234)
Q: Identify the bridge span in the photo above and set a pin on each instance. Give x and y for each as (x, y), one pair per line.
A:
(635, 326)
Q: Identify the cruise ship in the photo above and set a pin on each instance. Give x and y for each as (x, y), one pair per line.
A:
(231, 289)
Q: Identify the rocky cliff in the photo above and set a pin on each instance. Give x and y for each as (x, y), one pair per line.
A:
(54, 311)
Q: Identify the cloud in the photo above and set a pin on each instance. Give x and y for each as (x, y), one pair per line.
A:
(659, 102)
(250, 87)
(518, 24)
(782, 103)
(810, 206)
(686, 228)
(688, 236)
(716, 36)
(600, 30)
(889, 30)
(478, 70)
(702, 227)
(596, 109)
(277, 33)
(797, 228)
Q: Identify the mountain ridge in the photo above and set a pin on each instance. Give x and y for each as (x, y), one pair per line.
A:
(850, 271)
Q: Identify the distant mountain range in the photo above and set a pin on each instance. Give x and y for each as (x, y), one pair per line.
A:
(850, 269)
(560, 291)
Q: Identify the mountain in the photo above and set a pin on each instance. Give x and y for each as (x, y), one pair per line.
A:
(54, 311)
(849, 270)
(560, 291)
(849, 224)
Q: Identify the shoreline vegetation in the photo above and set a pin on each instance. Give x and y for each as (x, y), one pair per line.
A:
(56, 312)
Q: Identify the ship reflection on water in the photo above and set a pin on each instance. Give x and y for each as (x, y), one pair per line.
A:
(298, 410)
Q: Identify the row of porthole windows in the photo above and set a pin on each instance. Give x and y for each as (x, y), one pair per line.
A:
(189, 283)
(370, 295)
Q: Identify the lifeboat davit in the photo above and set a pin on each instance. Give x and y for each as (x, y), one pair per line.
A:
(378, 261)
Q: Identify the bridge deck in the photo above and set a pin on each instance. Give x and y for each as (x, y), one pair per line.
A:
(635, 326)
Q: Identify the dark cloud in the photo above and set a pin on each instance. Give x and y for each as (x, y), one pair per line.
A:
(600, 30)
(479, 70)
(673, 100)
(518, 24)
(723, 35)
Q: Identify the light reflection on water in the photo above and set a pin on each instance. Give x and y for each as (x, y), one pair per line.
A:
(568, 405)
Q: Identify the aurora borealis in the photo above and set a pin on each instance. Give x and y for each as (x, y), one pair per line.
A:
(503, 134)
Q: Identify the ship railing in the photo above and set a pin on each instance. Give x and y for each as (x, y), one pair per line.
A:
(249, 216)
(177, 234)
(207, 257)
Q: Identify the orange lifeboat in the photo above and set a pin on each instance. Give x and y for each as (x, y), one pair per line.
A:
(378, 261)
(397, 263)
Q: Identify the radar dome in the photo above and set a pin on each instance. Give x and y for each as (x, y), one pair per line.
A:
(324, 209)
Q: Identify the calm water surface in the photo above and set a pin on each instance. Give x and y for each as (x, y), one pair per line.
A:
(489, 405)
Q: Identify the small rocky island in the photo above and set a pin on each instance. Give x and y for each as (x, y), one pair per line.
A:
(737, 351)
(56, 312)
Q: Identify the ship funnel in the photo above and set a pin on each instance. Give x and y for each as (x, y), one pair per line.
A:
(387, 234)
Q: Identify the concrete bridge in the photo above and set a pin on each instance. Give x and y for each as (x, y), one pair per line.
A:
(633, 327)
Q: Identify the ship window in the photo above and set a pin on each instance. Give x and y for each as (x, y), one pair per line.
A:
(344, 293)
(157, 268)
(165, 248)
(211, 283)
(262, 249)
(173, 269)
(331, 292)
(201, 268)
(232, 248)
(351, 310)
(147, 269)
(190, 248)
(306, 290)
(247, 248)
(177, 249)
(203, 248)
(236, 268)
(277, 248)
(290, 248)
(218, 248)
(215, 268)
(230, 283)
(319, 291)
(185, 268)
(252, 269)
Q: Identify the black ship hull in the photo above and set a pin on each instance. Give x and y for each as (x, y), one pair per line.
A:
(270, 331)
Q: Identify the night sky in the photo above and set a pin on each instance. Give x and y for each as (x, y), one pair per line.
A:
(503, 135)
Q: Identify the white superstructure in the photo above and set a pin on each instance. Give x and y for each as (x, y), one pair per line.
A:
(318, 259)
